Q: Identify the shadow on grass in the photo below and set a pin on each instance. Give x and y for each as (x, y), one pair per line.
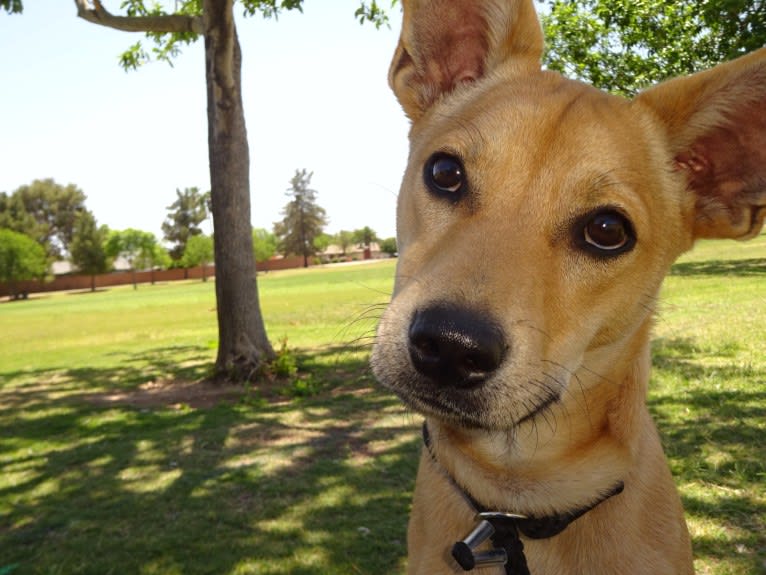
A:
(262, 483)
(711, 422)
(736, 268)
(248, 485)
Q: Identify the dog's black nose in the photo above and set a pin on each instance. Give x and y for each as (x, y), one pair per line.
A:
(455, 346)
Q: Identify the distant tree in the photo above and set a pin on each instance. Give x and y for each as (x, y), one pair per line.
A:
(323, 241)
(21, 258)
(87, 250)
(388, 246)
(135, 246)
(264, 244)
(46, 212)
(199, 252)
(623, 45)
(303, 218)
(153, 257)
(344, 239)
(185, 215)
(365, 237)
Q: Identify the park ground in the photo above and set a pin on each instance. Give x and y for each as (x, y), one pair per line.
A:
(115, 458)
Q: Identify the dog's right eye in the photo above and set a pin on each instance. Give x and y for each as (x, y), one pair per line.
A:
(605, 232)
(445, 176)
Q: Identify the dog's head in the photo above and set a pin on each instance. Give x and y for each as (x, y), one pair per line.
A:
(538, 216)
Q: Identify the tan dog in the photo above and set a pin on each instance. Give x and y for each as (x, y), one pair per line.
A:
(536, 221)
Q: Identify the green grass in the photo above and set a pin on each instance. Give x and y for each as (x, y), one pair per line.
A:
(110, 462)
(98, 476)
(709, 400)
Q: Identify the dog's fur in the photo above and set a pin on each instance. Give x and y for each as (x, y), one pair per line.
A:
(562, 418)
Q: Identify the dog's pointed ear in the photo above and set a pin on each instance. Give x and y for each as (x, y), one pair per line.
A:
(716, 127)
(446, 43)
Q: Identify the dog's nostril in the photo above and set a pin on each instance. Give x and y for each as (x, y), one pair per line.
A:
(425, 346)
(454, 346)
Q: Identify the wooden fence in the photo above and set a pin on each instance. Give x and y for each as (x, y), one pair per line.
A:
(81, 282)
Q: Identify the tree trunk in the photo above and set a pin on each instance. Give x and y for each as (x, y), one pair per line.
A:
(242, 341)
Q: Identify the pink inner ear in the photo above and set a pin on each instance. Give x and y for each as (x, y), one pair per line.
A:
(454, 45)
(729, 160)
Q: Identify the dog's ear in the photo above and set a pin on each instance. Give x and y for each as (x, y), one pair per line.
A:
(446, 43)
(716, 125)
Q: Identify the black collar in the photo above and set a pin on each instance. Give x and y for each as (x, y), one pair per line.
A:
(505, 528)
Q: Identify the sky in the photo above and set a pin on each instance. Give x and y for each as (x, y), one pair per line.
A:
(315, 96)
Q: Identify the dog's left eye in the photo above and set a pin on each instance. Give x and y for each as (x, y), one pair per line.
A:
(444, 175)
(606, 232)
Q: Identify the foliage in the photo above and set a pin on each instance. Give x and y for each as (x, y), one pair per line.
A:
(46, 212)
(167, 46)
(344, 239)
(303, 218)
(323, 241)
(140, 249)
(198, 252)
(264, 244)
(154, 257)
(388, 246)
(364, 237)
(185, 215)
(12, 6)
(285, 364)
(87, 250)
(21, 258)
(625, 45)
(373, 13)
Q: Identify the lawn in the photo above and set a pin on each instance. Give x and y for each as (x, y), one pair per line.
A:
(114, 460)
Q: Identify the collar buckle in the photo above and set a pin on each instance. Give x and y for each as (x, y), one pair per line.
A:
(507, 548)
(464, 551)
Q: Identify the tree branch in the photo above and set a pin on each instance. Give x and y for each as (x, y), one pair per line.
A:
(93, 11)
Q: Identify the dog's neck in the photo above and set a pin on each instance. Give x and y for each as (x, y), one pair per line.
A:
(538, 468)
(505, 528)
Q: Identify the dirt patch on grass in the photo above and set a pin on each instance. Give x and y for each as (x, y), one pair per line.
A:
(171, 393)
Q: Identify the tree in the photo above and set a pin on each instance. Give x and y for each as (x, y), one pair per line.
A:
(344, 239)
(364, 237)
(135, 246)
(264, 244)
(21, 258)
(303, 218)
(623, 45)
(242, 341)
(87, 250)
(46, 212)
(184, 218)
(199, 252)
(322, 242)
(153, 257)
(388, 246)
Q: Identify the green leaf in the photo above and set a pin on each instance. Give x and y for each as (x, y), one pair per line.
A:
(12, 7)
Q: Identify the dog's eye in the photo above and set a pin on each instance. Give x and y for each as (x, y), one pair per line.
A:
(445, 176)
(606, 232)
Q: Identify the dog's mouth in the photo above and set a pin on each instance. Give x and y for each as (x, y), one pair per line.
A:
(492, 406)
